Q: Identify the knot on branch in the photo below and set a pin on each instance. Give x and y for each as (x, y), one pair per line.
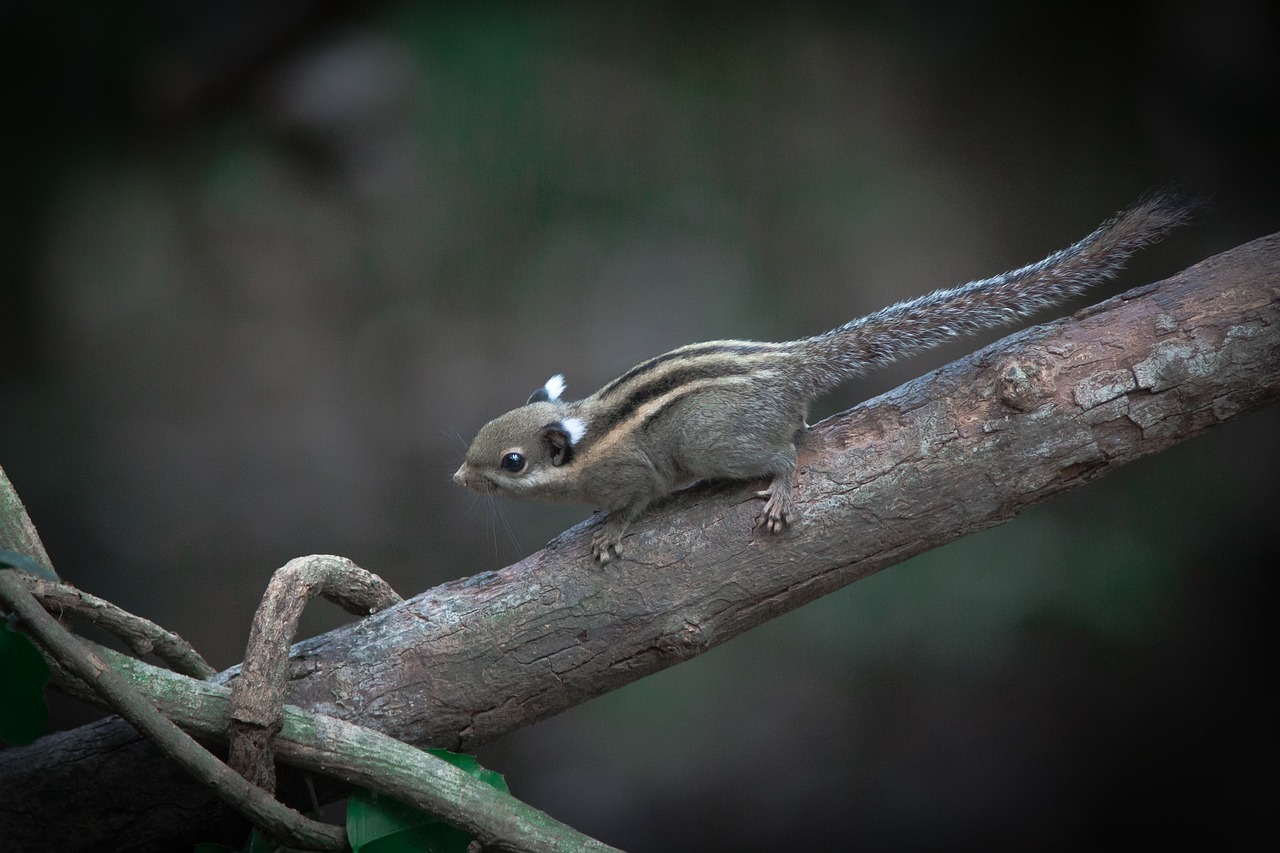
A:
(1026, 381)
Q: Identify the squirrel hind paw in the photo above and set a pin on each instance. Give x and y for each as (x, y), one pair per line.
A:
(777, 514)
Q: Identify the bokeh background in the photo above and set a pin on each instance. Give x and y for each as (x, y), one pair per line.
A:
(266, 267)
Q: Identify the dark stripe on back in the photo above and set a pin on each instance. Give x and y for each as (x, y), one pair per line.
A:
(651, 419)
(666, 384)
(687, 352)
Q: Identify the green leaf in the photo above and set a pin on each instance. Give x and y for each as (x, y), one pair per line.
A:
(23, 674)
(430, 838)
(494, 779)
(371, 816)
(260, 842)
(469, 764)
(380, 824)
(466, 763)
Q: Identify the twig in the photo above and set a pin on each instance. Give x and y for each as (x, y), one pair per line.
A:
(257, 695)
(142, 636)
(279, 821)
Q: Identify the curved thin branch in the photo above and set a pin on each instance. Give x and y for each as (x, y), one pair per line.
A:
(142, 636)
(278, 820)
(360, 756)
(257, 696)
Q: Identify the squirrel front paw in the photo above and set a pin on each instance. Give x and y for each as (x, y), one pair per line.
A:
(606, 544)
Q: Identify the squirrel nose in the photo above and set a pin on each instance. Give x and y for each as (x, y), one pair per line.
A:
(460, 476)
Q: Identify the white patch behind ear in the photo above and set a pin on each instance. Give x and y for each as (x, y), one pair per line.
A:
(554, 387)
(576, 427)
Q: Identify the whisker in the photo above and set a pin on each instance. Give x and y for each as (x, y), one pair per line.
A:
(449, 431)
(493, 529)
(471, 508)
(505, 518)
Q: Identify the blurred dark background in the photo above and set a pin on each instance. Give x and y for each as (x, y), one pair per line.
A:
(265, 268)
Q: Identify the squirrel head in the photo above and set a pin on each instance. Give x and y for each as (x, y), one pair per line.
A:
(518, 454)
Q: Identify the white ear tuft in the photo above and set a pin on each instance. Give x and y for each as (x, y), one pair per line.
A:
(554, 387)
(576, 427)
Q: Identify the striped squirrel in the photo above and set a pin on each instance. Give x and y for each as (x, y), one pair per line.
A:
(734, 410)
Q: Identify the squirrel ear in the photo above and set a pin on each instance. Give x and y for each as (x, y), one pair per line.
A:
(557, 442)
(560, 439)
(550, 392)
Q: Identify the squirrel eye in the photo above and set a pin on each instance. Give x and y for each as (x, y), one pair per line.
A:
(513, 462)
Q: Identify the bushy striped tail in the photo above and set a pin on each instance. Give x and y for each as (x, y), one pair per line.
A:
(924, 322)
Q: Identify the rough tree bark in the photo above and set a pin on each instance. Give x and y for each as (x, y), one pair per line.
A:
(961, 449)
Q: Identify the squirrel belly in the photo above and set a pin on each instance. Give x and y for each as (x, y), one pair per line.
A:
(734, 410)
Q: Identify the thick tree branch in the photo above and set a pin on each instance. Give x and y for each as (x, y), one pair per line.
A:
(961, 449)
